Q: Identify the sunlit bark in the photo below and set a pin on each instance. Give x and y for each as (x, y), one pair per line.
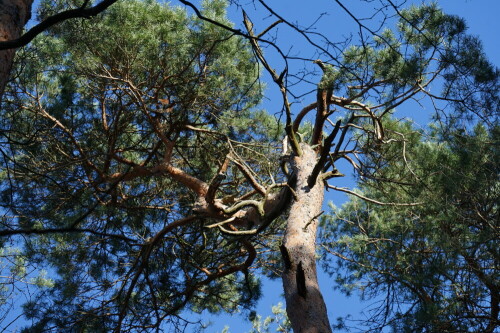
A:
(304, 302)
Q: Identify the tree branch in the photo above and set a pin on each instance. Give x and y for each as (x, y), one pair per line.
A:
(278, 79)
(324, 155)
(60, 230)
(54, 19)
(341, 189)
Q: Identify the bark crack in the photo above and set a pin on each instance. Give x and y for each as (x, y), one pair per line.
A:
(300, 278)
(286, 257)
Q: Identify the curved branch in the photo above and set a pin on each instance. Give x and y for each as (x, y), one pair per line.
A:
(332, 100)
(249, 177)
(54, 19)
(302, 114)
(142, 261)
(237, 232)
(196, 185)
(214, 186)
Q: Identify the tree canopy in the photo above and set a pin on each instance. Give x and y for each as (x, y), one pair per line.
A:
(432, 266)
(92, 119)
(140, 178)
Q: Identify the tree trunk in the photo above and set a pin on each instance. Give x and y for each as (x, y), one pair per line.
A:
(304, 303)
(13, 16)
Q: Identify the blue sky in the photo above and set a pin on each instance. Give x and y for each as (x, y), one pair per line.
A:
(482, 18)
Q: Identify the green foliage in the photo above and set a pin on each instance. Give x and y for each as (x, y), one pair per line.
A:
(278, 322)
(426, 44)
(97, 96)
(434, 265)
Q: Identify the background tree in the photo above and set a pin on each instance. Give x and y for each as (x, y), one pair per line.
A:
(138, 165)
(434, 267)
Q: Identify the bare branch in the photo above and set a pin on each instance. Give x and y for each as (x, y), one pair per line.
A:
(269, 28)
(342, 189)
(278, 79)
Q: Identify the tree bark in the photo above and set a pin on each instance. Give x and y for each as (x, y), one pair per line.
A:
(13, 16)
(305, 306)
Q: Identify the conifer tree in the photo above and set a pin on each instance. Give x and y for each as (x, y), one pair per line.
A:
(138, 167)
(433, 266)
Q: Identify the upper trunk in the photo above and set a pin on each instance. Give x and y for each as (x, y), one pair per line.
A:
(13, 16)
(304, 303)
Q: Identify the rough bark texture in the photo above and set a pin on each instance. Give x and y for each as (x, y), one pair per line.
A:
(13, 16)
(304, 303)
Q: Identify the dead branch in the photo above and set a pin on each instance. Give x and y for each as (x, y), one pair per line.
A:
(342, 189)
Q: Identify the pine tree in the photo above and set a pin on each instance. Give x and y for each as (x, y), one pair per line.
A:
(433, 265)
(138, 167)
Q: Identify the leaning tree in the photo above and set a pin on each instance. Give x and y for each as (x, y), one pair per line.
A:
(138, 167)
